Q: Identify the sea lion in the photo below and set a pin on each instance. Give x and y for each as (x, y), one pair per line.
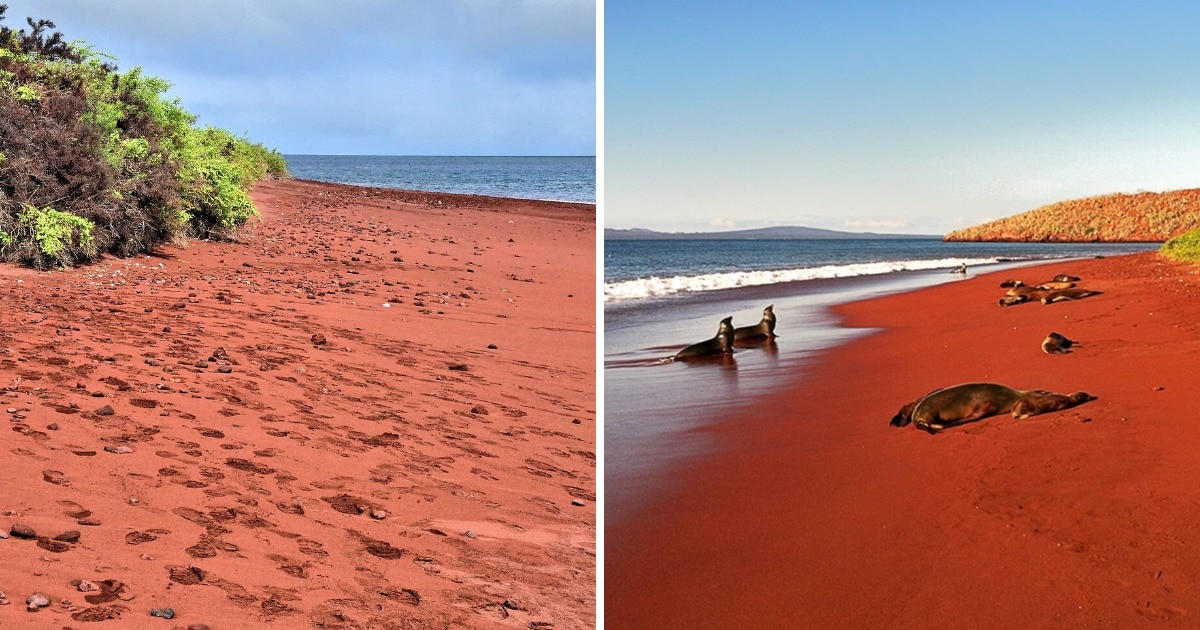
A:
(969, 402)
(1056, 285)
(763, 329)
(1067, 294)
(1025, 290)
(1013, 300)
(1062, 277)
(1011, 283)
(1055, 343)
(722, 343)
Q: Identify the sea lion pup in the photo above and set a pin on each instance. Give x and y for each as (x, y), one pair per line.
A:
(763, 329)
(1055, 343)
(1067, 294)
(1012, 300)
(1062, 277)
(1011, 283)
(722, 343)
(960, 404)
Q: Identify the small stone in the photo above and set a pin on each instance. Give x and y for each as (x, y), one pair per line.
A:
(37, 600)
(202, 364)
(21, 530)
(379, 515)
(166, 329)
(492, 346)
(106, 410)
(224, 369)
(71, 536)
(118, 450)
(165, 613)
(577, 503)
(469, 534)
(319, 340)
(88, 522)
(479, 410)
(97, 394)
(458, 367)
(85, 586)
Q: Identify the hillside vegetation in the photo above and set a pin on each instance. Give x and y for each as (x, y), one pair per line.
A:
(94, 160)
(1139, 217)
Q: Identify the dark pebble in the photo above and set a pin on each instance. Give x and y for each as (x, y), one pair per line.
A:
(106, 410)
(21, 530)
(69, 536)
(458, 367)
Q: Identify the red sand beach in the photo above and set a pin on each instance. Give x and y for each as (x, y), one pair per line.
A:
(817, 514)
(377, 410)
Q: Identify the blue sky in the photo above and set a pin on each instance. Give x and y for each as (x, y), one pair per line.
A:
(413, 77)
(907, 117)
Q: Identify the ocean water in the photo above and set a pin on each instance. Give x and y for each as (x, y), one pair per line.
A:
(642, 269)
(554, 178)
(662, 295)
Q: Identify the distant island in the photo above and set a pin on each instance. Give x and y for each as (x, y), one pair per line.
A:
(778, 233)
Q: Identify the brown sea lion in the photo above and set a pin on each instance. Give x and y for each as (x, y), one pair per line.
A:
(1062, 277)
(1056, 285)
(1067, 294)
(1025, 289)
(722, 343)
(1055, 343)
(1012, 300)
(1011, 283)
(969, 402)
(763, 329)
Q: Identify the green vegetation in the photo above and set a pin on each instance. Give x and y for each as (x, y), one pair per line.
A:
(1185, 247)
(1140, 217)
(94, 160)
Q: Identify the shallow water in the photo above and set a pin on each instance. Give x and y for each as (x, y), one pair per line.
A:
(655, 411)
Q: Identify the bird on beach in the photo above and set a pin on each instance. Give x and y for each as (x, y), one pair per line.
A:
(962, 268)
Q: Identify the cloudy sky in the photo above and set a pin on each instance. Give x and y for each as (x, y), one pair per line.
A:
(388, 77)
(891, 116)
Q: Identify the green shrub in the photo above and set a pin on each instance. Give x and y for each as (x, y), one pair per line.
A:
(94, 160)
(1185, 247)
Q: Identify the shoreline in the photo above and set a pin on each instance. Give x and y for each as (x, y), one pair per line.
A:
(812, 512)
(376, 407)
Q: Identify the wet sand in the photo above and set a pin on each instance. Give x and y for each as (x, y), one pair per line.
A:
(377, 410)
(812, 512)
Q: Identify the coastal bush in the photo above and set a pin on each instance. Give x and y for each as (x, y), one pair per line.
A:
(1185, 247)
(79, 138)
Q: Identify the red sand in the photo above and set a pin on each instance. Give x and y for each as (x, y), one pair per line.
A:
(402, 474)
(820, 515)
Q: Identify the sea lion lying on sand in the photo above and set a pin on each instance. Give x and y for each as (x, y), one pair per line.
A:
(1056, 285)
(1011, 283)
(1062, 277)
(1067, 294)
(722, 343)
(969, 402)
(1055, 343)
(763, 329)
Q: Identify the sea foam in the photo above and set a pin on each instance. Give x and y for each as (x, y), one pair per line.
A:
(655, 286)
